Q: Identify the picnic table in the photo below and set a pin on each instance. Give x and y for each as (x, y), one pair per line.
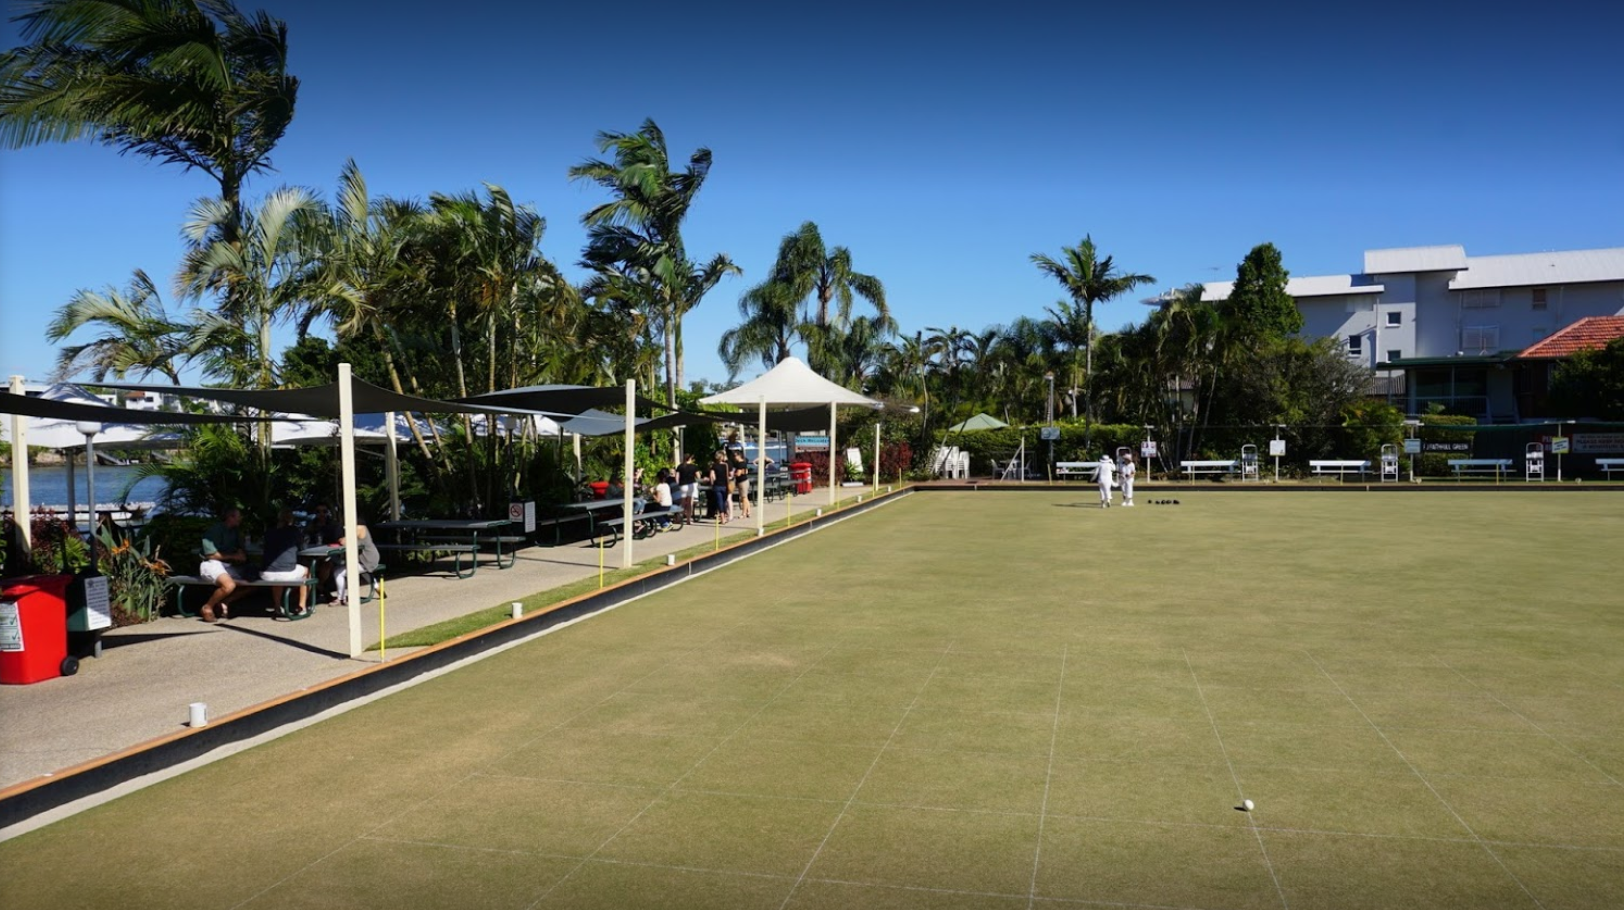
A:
(594, 510)
(457, 536)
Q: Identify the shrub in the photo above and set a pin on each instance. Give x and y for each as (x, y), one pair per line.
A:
(135, 577)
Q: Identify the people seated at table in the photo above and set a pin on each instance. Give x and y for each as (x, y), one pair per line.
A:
(281, 561)
(616, 489)
(225, 560)
(366, 551)
(322, 528)
(663, 497)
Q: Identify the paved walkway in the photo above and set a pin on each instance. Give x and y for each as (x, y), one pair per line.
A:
(147, 676)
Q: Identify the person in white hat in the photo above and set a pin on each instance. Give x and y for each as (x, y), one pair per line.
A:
(1127, 471)
(1104, 477)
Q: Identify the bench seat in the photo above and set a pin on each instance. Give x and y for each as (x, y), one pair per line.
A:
(1066, 469)
(1340, 467)
(1495, 466)
(181, 582)
(512, 540)
(1192, 468)
(456, 550)
(1609, 465)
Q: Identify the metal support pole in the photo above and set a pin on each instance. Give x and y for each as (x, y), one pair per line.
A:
(22, 508)
(352, 545)
(834, 464)
(626, 478)
(391, 465)
(761, 466)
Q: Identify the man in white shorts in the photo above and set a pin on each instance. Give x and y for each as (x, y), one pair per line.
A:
(223, 561)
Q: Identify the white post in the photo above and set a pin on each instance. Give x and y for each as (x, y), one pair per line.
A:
(626, 478)
(352, 550)
(73, 491)
(876, 458)
(391, 466)
(835, 458)
(22, 508)
(761, 466)
(575, 441)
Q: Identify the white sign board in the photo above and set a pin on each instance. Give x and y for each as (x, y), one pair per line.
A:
(11, 626)
(523, 513)
(98, 609)
(1047, 433)
(1147, 449)
(1559, 445)
(1412, 446)
(1277, 448)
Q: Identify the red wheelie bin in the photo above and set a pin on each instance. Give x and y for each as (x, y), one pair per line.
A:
(34, 629)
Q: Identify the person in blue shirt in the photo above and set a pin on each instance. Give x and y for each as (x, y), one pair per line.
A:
(224, 559)
(282, 546)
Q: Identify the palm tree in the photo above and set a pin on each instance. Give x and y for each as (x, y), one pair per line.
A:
(138, 334)
(189, 82)
(263, 277)
(806, 273)
(1088, 280)
(771, 325)
(640, 229)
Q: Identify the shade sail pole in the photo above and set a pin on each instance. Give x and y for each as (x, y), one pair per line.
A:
(352, 555)
(761, 466)
(626, 478)
(391, 466)
(22, 509)
(876, 458)
(834, 447)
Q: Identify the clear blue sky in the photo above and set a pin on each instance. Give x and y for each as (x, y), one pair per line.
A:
(942, 148)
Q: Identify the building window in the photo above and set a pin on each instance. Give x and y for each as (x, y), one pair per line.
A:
(1394, 319)
(1480, 339)
(1539, 299)
(1356, 345)
(1539, 332)
(1486, 299)
(1394, 355)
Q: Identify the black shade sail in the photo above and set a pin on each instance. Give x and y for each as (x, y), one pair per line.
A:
(559, 399)
(50, 409)
(316, 401)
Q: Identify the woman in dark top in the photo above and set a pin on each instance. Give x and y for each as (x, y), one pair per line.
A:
(688, 482)
(738, 469)
(718, 490)
(282, 545)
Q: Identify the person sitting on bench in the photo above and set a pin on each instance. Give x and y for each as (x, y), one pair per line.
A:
(662, 496)
(366, 551)
(223, 564)
(282, 545)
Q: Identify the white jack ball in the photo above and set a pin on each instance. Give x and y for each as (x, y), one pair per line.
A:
(1246, 804)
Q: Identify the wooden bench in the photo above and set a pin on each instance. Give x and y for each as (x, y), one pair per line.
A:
(1609, 465)
(1340, 467)
(456, 551)
(1089, 470)
(181, 582)
(1192, 468)
(1499, 467)
(512, 541)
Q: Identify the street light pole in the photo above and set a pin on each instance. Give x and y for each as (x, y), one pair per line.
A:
(1049, 417)
(90, 428)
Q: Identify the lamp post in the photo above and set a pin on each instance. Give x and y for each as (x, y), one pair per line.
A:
(1049, 416)
(90, 428)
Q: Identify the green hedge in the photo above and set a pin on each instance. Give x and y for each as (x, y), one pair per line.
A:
(1435, 428)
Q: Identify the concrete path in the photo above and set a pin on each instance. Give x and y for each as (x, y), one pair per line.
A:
(142, 685)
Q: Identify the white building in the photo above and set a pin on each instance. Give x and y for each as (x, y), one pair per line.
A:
(1452, 323)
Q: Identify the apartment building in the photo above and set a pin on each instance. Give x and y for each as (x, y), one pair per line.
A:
(1441, 326)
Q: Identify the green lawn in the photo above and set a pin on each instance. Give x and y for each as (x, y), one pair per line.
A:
(972, 700)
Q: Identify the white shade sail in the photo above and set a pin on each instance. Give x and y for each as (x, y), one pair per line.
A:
(790, 384)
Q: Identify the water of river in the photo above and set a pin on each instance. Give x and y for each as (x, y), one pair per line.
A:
(48, 485)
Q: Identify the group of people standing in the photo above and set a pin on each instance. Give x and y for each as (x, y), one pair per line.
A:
(1109, 474)
(726, 475)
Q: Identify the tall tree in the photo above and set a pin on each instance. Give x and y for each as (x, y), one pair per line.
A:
(639, 231)
(189, 82)
(1258, 301)
(1088, 280)
(137, 333)
(263, 278)
(821, 283)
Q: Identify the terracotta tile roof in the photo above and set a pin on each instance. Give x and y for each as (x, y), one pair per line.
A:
(1589, 333)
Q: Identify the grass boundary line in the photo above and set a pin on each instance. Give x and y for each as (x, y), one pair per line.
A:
(34, 803)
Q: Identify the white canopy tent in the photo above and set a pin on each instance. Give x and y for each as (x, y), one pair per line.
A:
(791, 384)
